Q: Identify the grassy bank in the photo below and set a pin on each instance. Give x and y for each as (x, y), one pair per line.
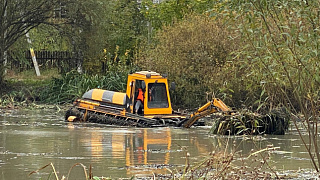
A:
(22, 88)
(25, 88)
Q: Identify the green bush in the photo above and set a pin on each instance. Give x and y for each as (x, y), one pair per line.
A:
(194, 53)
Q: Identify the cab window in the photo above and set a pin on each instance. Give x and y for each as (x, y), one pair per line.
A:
(157, 95)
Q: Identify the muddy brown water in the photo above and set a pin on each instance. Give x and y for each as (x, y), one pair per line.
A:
(30, 139)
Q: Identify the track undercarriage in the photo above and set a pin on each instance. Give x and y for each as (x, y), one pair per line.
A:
(116, 117)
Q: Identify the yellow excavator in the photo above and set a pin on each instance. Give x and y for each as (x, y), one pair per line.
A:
(146, 103)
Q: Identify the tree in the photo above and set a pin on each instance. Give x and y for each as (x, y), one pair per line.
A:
(20, 16)
(125, 28)
(193, 53)
(280, 53)
(167, 12)
(97, 25)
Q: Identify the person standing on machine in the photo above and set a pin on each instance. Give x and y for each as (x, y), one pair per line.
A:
(139, 102)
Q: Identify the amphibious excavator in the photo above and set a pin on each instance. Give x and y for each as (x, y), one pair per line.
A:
(146, 103)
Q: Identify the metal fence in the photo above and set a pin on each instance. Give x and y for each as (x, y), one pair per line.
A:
(46, 60)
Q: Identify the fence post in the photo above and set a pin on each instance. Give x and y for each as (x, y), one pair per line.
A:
(33, 56)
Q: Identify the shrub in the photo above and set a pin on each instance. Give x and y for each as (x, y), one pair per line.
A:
(194, 54)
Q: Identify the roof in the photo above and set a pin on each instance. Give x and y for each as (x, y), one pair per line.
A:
(147, 74)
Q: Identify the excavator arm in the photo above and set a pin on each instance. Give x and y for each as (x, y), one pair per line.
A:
(213, 106)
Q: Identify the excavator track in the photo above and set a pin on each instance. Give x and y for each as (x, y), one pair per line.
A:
(95, 112)
(114, 117)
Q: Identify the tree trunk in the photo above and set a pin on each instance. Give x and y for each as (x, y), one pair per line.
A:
(3, 61)
(79, 61)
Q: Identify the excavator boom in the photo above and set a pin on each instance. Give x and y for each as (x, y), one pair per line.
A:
(211, 107)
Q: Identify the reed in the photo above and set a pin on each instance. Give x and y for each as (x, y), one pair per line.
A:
(224, 163)
(217, 165)
(88, 175)
(72, 85)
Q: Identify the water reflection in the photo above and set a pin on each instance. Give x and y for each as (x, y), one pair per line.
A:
(32, 139)
(143, 150)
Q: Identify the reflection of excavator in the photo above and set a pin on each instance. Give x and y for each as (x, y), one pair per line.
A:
(148, 147)
(145, 104)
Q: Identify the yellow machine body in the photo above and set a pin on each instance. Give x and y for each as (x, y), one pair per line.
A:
(103, 98)
(106, 96)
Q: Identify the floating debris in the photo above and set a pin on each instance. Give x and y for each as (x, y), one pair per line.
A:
(276, 122)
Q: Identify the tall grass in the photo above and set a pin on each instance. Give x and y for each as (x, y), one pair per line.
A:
(72, 85)
(230, 165)
(87, 173)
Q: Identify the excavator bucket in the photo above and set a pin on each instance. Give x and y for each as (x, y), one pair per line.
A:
(218, 103)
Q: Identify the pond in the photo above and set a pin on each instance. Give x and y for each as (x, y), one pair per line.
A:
(31, 139)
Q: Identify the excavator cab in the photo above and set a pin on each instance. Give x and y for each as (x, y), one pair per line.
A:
(156, 98)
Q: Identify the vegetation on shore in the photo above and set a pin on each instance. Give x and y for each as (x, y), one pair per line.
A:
(22, 89)
(26, 88)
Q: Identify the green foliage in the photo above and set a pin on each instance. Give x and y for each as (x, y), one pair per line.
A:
(169, 11)
(46, 37)
(279, 50)
(104, 32)
(124, 26)
(271, 65)
(250, 53)
(72, 85)
(21, 96)
(194, 54)
(87, 28)
(279, 53)
(18, 18)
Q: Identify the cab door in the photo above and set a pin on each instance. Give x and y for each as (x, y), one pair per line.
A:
(157, 98)
(132, 92)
